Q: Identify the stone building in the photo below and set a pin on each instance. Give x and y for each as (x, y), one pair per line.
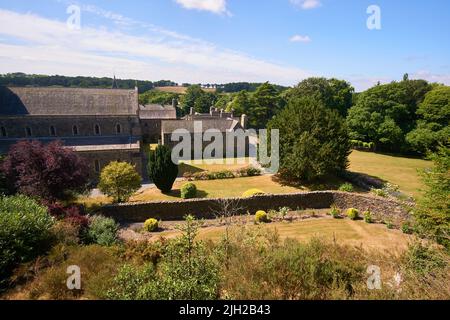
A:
(101, 124)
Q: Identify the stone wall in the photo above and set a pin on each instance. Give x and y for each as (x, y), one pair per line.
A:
(205, 208)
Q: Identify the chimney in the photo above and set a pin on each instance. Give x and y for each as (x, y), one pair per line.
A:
(244, 121)
(174, 103)
(211, 111)
(191, 111)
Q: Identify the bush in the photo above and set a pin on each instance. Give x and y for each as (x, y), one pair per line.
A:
(368, 217)
(407, 228)
(252, 192)
(225, 174)
(249, 171)
(103, 231)
(352, 213)
(346, 187)
(261, 217)
(119, 180)
(335, 212)
(162, 171)
(151, 225)
(24, 231)
(188, 191)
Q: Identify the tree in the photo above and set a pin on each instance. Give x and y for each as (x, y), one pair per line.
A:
(119, 180)
(241, 103)
(333, 93)
(314, 141)
(51, 171)
(384, 114)
(433, 126)
(192, 94)
(161, 169)
(264, 105)
(433, 213)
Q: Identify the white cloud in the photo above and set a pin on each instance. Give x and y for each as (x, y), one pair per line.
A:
(215, 6)
(306, 4)
(300, 38)
(42, 45)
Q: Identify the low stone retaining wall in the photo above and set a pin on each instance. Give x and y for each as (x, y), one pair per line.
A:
(205, 208)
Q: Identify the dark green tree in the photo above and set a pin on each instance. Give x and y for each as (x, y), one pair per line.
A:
(241, 103)
(264, 105)
(161, 169)
(433, 126)
(314, 141)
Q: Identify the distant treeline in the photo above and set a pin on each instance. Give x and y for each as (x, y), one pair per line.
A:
(34, 80)
(240, 86)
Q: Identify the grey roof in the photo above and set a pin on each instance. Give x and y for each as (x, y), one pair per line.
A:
(157, 111)
(67, 101)
(223, 125)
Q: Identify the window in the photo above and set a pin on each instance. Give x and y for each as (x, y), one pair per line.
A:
(3, 131)
(75, 130)
(97, 166)
(28, 132)
(118, 128)
(52, 131)
(97, 129)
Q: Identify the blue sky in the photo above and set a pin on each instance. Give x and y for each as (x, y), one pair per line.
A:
(216, 41)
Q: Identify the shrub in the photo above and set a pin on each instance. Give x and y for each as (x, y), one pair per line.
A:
(249, 171)
(283, 212)
(162, 171)
(225, 174)
(261, 217)
(188, 191)
(103, 231)
(24, 231)
(45, 171)
(346, 187)
(379, 192)
(119, 180)
(368, 217)
(335, 212)
(252, 192)
(389, 224)
(352, 213)
(151, 225)
(407, 228)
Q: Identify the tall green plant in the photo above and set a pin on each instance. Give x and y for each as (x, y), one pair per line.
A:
(161, 169)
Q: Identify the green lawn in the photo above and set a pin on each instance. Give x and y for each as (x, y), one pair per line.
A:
(397, 170)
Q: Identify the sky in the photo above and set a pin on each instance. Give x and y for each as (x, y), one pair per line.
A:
(220, 41)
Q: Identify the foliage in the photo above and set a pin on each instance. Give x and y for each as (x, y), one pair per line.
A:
(424, 259)
(252, 192)
(406, 227)
(24, 231)
(49, 171)
(346, 187)
(333, 93)
(261, 217)
(368, 217)
(188, 191)
(241, 103)
(103, 231)
(162, 171)
(335, 212)
(433, 125)
(307, 150)
(265, 104)
(151, 225)
(119, 180)
(157, 97)
(433, 213)
(384, 114)
(353, 213)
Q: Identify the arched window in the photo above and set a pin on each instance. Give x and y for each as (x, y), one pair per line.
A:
(75, 130)
(97, 166)
(28, 132)
(118, 128)
(52, 131)
(97, 130)
(3, 131)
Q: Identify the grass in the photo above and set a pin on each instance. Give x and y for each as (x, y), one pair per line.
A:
(343, 231)
(397, 170)
(204, 165)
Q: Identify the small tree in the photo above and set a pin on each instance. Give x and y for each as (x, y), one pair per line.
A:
(119, 180)
(49, 171)
(161, 169)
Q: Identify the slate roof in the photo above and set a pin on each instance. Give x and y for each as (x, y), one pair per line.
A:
(50, 101)
(223, 125)
(157, 111)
